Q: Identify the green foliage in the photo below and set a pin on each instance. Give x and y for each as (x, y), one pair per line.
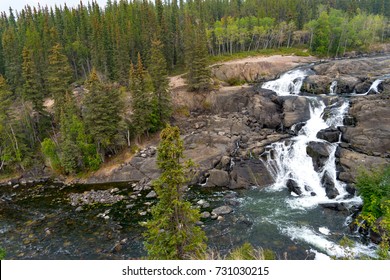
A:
(374, 188)
(59, 77)
(159, 76)
(2, 254)
(102, 115)
(31, 88)
(199, 75)
(334, 32)
(144, 105)
(172, 232)
(49, 150)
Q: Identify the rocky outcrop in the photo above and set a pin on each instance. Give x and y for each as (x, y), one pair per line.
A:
(217, 178)
(319, 152)
(331, 134)
(330, 188)
(256, 69)
(296, 109)
(250, 173)
(351, 162)
(370, 135)
(351, 75)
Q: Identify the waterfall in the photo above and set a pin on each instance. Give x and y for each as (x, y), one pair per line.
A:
(333, 88)
(288, 160)
(293, 169)
(374, 86)
(288, 83)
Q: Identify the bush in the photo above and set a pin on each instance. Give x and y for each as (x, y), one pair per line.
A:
(374, 188)
(2, 254)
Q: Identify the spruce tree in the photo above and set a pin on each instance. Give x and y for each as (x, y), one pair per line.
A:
(141, 88)
(159, 75)
(6, 153)
(31, 87)
(59, 77)
(172, 232)
(102, 115)
(199, 75)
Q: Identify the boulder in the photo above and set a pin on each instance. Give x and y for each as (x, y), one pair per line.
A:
(152, 194)
(295, 109)
(330, 134)
(319, 152)
(317, 84)
(218, 178)
(335, 206)
(265, 110)
(293, 187)
(249, 173)
(328, 184)
(351, 162)
(222, 210)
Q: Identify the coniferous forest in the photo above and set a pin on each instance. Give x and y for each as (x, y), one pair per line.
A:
(126, 50)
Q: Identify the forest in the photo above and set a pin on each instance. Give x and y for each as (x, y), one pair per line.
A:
(122, 54)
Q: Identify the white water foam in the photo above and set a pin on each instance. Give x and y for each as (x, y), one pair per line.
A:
(322, 243)
(333, 88)
(288, 83)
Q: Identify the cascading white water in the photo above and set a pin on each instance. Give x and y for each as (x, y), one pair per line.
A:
(289, 159)
(374, 86)
(288, 83)
(333, 88)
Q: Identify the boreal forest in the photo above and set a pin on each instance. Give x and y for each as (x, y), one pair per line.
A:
(79, 85)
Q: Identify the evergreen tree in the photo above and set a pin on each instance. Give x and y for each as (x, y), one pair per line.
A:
(198, 76)
(70, 151)
(141, 88)
(12, 58)
(103, 108)
(31, 88)
(59, 77)
(6, 151)
(159, 76)
(172, 232)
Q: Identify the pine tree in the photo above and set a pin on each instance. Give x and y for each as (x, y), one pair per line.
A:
(172, 232)
(59, 77)
(159, 76)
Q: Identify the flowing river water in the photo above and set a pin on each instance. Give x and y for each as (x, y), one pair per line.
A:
(38, 222)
